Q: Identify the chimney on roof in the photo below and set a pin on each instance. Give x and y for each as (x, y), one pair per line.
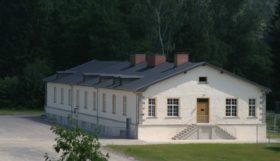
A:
(154, 60)
(137, 59)
(181, 58)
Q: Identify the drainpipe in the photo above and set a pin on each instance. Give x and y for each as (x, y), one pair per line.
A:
(97, 107)
(72, 102)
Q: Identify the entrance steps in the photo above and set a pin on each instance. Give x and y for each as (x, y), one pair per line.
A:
(196, 132)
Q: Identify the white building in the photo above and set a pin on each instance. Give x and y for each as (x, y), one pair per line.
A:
(154, 100)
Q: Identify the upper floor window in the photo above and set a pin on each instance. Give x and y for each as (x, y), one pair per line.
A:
(172, 107)
(113, 104)
(124, 105)
(77, 98)
(94, 101)
(231, 107)
(104, 102)
(54, 94)
(69, 97)
(252, 107)
(202, 79)
(86, 99)
(61, 95)
(152, 107)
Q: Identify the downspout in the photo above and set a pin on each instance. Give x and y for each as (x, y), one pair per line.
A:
(97, 107)
(72, 101)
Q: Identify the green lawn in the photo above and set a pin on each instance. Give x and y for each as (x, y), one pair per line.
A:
(202, 152)
(12, 111)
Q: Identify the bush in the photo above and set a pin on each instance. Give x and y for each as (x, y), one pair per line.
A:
(74, 144)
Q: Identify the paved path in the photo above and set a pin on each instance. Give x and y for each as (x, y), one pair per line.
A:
(28, 138)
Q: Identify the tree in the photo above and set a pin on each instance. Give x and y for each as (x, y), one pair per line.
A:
(32, 87)
(8, 92)
(275, 50)
(74, 144)
(166, 21)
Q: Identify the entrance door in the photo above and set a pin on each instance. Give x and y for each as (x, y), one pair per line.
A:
(202, 110)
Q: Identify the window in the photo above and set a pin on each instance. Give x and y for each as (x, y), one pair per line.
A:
(86, 99)
(231, 107)
(152, 107)
(202, 79)
(69, 97)
(252, 107)
(77, 98)
(172, 107)
(94, 101)
(124, 105)
(104, 102)
(113, 104)
(61, 95)
(54, 94)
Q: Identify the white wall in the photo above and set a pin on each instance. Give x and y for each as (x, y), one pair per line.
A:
(113, 122)
(187, 88)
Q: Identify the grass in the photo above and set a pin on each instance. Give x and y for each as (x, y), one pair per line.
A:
(273, 135)
(202, 152)
(13, 111)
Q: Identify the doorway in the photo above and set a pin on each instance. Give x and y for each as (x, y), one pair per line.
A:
(202, 110)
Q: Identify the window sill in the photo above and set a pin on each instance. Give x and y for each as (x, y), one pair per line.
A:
(151, 117)
(252, 117)
(172, 117)
(231, 117)
(202, 82)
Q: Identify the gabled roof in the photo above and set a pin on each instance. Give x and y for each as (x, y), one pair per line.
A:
(130, 78)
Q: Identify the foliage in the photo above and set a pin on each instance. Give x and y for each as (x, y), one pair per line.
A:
(74, 144)
(202, 152)
(8, 91)
(65, 33)
(275, 50)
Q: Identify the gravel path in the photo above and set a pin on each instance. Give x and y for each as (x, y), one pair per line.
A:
(28, 138)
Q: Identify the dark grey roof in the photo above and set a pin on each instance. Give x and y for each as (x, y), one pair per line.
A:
(121, 74)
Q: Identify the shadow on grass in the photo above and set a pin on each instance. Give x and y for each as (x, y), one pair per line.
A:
(274, 148)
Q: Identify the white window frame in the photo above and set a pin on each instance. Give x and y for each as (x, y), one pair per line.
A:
(203, 82)
(54, 94)
(104, 102)
(77, 98)
(69, 97)
(151, 107)
(61, 96)
(113, 104)
(94, 101)
(86, 99)
(124, 105)
(231, 109)
(252, 107)
(173, 107)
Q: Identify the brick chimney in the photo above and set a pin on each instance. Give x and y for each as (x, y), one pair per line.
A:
(181, 58)
(154, 60)
(137, 59)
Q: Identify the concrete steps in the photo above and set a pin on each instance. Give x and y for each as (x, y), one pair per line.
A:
(184, 134)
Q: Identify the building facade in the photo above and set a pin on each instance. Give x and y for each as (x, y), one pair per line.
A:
(154, 100)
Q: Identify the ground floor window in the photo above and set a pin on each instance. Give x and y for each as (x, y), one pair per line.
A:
(252, 107)
(124, 105)
(231, 107)
(172, 107)
(152, 107)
